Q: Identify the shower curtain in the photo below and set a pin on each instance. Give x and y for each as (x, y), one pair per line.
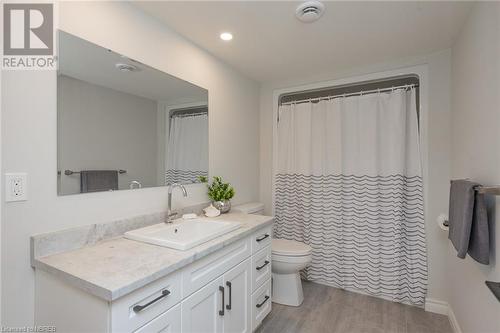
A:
(187, 149)
(349, 184)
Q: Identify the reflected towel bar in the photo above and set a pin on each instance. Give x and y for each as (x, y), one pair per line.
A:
(493, 190)
(70, 172)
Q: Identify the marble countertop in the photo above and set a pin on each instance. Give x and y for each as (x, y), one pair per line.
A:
(115, 267)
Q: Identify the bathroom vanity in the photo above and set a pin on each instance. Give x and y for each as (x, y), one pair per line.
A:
(122, 285)
(138, 274)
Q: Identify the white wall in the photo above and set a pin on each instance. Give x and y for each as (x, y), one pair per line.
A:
(438, 136)
(161, 139)
(1, 195)
(476, 155)
(104, 129)
(29, 139)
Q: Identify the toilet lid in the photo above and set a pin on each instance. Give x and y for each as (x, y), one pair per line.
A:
(289, 247)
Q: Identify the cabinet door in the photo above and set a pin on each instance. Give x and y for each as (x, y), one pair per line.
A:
(237, 281)
(203, 311)
(168, 322)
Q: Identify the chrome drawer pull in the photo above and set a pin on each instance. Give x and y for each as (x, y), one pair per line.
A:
(262, 238)
(262, 266)
(264, 301)
(139, 308)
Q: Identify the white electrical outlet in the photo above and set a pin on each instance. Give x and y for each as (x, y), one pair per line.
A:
(16, 187)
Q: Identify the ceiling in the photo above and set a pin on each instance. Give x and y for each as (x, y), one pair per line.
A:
(271, 44)
(91, 63)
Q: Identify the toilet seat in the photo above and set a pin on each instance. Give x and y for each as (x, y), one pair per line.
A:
(291, 259)
(289, 248)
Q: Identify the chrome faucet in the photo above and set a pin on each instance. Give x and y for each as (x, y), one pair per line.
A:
(170, 214)
(135, 184)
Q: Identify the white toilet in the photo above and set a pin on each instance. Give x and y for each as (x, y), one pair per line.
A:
(288, 258)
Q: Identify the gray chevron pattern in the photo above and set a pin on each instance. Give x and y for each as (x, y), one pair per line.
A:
(183, 176)
(367, 232)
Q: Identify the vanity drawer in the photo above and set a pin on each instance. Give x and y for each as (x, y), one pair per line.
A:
(141, 306)
(261, 239)
(261, 304)
(201, 272)
(169, 321)
(261, 267)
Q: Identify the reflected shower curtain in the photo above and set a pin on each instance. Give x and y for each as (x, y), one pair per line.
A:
(349, 184)
(187, 149)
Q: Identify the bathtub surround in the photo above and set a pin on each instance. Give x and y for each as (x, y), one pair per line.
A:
(349, 184)
(29, 106)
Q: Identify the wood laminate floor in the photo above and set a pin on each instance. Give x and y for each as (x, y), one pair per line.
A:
(327, 309)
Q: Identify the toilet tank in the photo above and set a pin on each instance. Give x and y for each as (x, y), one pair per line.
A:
(256, 208)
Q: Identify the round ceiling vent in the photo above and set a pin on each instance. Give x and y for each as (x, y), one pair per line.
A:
(309, 11)
(127, 67)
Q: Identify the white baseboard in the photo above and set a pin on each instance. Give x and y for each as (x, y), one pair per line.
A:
(453, 321)
(436, 306)
(441, 307)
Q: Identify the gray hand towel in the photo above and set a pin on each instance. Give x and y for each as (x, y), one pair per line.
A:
(479, 242)
(98, 180)
(468, 221)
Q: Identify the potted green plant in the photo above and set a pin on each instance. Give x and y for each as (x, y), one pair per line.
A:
(220, 193)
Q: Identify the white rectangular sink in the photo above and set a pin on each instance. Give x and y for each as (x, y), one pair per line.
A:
(182, 234)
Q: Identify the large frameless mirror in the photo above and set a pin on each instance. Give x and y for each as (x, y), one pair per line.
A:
(124, 125)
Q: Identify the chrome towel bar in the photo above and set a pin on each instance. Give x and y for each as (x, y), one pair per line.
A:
(493, 190)
(70, 172)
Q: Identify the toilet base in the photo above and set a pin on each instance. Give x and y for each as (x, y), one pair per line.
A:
(287, 289)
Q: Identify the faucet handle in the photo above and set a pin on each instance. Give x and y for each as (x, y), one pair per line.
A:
(171, 216)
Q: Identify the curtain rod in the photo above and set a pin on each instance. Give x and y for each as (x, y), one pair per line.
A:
(187, 114)
(359, 93)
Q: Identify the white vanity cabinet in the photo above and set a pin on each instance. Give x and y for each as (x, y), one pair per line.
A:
(221, 306)
(200, 311)
(167, 322)
(225, 291)
(238, 312)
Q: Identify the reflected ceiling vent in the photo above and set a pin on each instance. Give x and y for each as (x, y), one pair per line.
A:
(127, 67)
(310, 11)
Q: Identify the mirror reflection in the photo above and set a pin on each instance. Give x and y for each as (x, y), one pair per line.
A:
(125, 125)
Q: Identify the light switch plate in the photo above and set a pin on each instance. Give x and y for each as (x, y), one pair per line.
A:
(16, 187)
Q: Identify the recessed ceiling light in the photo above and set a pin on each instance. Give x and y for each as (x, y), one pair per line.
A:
(226, 36)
